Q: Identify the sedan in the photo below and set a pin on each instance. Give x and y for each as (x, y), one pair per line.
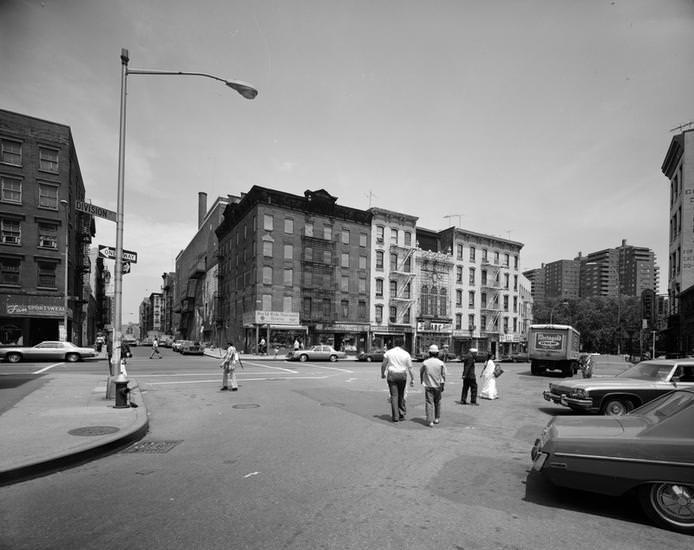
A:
(316, 353)
(626, 391)
(373, 355)
(647, 452)
(191, 348)
(47, 351)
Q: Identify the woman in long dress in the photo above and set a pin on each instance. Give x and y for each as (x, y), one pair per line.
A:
(488, 386)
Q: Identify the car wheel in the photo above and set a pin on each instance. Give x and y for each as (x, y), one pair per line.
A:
(333, 358)
(670, 505)
(303, 357)
(616, 407)
(72, 357)
(14, 357)
(369, 359)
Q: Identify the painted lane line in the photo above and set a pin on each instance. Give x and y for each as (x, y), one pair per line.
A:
(44, 369)
(215, 381)
(251, 475)
(269, 367)
(203, 373)
(334, 368)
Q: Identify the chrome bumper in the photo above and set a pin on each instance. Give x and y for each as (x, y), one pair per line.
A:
(563, 399)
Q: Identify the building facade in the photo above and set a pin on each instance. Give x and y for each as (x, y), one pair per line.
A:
(44, 240)
(562, 279)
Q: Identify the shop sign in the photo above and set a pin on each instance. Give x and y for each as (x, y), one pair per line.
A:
(338, 327)
(260, 317)
(33, 306)
(430, 326)
(509, 338)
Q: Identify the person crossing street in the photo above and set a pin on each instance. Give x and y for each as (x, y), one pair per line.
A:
(155, 348)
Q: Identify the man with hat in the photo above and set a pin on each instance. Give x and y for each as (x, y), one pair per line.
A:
(469, 378)
(432, 375)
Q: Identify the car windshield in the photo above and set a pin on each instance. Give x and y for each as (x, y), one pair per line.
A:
(665, 406)
(647, 371)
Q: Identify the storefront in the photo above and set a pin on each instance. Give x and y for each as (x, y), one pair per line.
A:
(272, 332)
(432, 331)
(388, 337)
(349, 338)
(27, 320)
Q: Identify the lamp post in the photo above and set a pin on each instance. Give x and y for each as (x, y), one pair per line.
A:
(246, 90)
(66, 274)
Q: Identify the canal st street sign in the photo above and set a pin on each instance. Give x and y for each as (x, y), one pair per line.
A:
(110, 253)
(94, 210)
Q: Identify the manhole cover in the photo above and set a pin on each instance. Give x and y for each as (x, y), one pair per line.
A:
(94, 430)
(245, 406)
(332, 404)
(153, 447)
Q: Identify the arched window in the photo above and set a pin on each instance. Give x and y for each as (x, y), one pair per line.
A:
(424, 300)
(442, 302)
(433, 299)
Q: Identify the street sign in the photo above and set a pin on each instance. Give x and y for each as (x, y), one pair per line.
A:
(125, 267)
(110, 253)
(95, 210)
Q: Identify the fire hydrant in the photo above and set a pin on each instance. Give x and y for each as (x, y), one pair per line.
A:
(122, 392)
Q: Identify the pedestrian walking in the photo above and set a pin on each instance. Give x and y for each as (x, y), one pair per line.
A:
(469, 378)
(228, 365)
(488, 389)
(397, 364)
(155, 348)
(296, 345)
(432, 376)
(261, 346)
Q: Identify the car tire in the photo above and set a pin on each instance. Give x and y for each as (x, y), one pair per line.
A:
(670, 505)
(303, 357)
(616, 407)
(333, 358)
(13, 357)
(72, 357)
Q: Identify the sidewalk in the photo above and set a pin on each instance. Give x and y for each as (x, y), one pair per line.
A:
(65, 422)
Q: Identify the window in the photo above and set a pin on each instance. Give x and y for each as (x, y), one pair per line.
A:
(344, 309)
(408, 238)
(345, 236)
(46, 274)
(11, 190)
(267, 302)
(48, 196)
(379, 314)
(485, 255)
(471, 298)
(443, 302)
(267, 249)
(379, 260)
(308, 253)
(393, 262)
(393, 289)
(48, 235)
(406, 294)
(458, 321)
(11, 152)
(362, 262)
(459, 298)
(379, 288)
(459, 251)
(308, 229)
(483, 299)
(307, 307)
(289, 277)
(268, 222)
(288, 252)
(379, 233)
(506, 280)
(472, 253)
(9, 271)
(505, 302)
(483, 322)
(288, 225)
(363, 239)
(505, 325)
(393, 236)
(515, 282)
(361, 308)
(496, 258)
(267, 275)
(327, 308)
(10, 232)
(362, 285)
(515, 305)
(406, 317)
(48, 160)
(344, 260)
(327, 257)
(507, 260)
(471, 277)
(287, 304)
(393, 317)
(327, 233)
(458, 274)
(308, 278)
(407, 267)
(471, 322)
(424, 300)
(344, 283)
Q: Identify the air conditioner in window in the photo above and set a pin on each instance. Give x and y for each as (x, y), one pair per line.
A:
(10, 239)
(48, 244)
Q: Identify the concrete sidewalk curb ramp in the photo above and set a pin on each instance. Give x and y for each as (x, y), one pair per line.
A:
(36, 431)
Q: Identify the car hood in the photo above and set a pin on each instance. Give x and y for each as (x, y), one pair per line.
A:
(608, 383)
(596, 427)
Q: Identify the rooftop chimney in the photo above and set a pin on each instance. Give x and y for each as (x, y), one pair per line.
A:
(202, 207)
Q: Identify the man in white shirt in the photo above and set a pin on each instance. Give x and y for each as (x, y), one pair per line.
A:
(228, 364)
(397, 364)
(433, 376)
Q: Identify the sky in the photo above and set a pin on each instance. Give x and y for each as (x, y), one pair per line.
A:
(545, 122)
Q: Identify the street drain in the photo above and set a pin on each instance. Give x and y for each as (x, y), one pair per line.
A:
(245, 406)
(94, 430)
(332, 404)
(152, 447)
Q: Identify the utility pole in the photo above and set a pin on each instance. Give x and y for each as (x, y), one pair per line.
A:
(370, 195)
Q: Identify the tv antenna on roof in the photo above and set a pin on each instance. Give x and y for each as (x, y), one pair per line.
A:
(685, 126)
(370, 195)
(459, 216)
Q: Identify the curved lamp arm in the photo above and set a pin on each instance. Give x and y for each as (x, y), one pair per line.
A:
(243, 88)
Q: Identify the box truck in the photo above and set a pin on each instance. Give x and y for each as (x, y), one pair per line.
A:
(553, 347)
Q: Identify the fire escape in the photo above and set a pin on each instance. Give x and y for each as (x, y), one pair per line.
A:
(402, 275)
(491, 307)
(318, 283)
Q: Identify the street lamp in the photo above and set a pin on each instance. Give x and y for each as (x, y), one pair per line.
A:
(246, 90)
(67, 257)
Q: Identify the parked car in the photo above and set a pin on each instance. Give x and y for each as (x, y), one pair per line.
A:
(648, 451)
(373, 355)
(178, 344)
(626, 391)
(47, 351)
(316, 353)
(191, 348)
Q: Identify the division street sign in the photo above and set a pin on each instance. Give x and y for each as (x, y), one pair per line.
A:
(95, 210)
(110, 253)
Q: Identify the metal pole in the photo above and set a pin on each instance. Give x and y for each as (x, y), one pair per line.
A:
(67, 274)
(114, 367)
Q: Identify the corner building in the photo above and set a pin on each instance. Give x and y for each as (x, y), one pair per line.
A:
(293, 267)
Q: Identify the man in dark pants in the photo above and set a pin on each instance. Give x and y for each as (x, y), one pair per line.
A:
(469, 378)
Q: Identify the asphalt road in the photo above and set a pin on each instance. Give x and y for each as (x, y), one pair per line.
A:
(304, 456)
